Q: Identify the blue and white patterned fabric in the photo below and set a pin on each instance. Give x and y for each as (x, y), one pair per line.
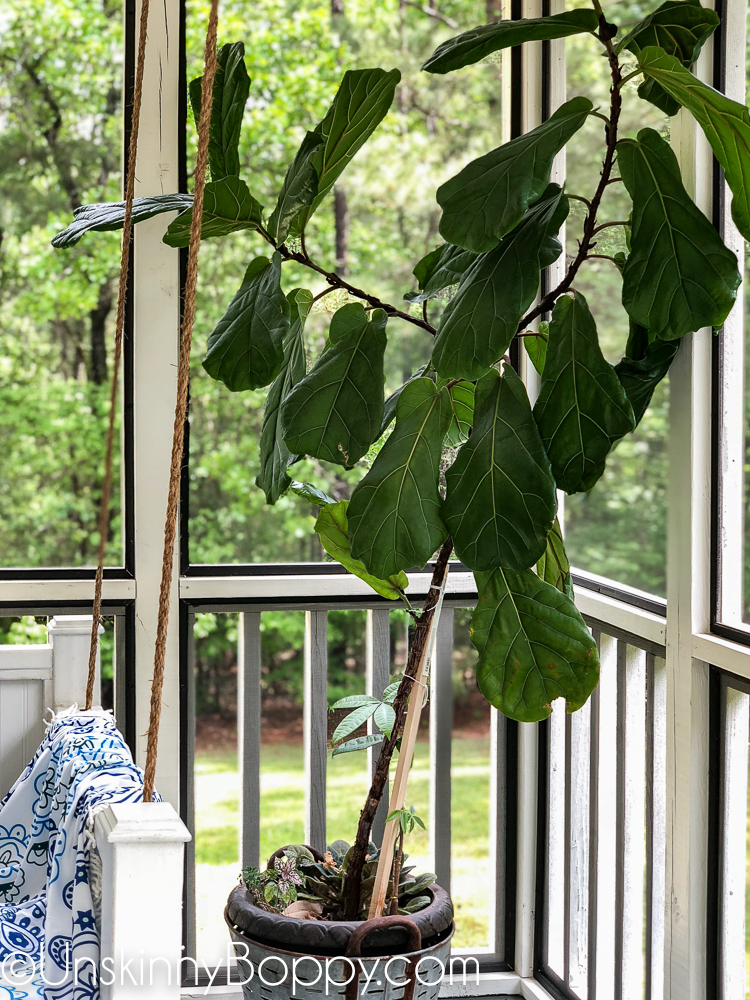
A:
(48, 915)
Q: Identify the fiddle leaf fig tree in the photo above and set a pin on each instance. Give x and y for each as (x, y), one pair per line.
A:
(467, 411)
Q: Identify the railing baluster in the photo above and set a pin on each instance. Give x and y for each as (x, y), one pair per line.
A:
(566, 854)
(556, 853)
(620, 812)
(377, 675)
(248, 734)
(732, 927)
(120, 693)
(656, 776)
(633, 821)
(187, 806)
(606, 820)
(650, 753)
(579, 725)
(498, 826)
(593, 838)
(441, 733)
(316, 726)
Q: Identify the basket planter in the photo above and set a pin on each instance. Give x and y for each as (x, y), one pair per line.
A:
(357, 950)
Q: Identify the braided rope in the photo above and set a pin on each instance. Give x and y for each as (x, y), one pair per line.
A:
(180, 413)
(127, 229)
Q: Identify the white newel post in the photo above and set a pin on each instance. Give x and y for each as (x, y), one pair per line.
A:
(142, 850)
(70, 636)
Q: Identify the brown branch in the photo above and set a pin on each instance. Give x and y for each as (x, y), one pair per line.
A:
(601, 256)
(589, 224)
(433, 13)
(353, 876)
(608, 225)
(336, 281)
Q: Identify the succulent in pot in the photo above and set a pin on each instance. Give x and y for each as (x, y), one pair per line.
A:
(295, 908)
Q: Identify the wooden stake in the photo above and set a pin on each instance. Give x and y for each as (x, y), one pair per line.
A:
(406, 754)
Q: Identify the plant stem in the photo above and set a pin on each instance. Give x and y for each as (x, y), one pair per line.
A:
(608, 225)
(353, 877)
(335, 281)
(397, 862)
(636, 72)
(578, 197)
(589, 223)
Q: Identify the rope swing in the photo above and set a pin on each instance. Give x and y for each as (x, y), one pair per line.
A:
(183, 382)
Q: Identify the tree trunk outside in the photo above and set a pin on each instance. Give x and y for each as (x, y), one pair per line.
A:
(341, 218)
(493, 10)
(98, 318)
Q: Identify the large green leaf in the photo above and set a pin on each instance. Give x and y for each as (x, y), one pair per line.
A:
(230, 90)
(490, 196)
(645, 364)
(306, 491)
(228, 207)
(358, 743)
(582, 409)
(109, 216)
(389, 409)
(245, 350)
(355, 701)
(332, 527)
(679, 276)
(336, 411)
(725, 122)
(385, 718)
(554, 567)
(473, 45)
(480, 321)
(536, 346)
(298, 190)
(394, 514)
(275, 457)
(533, 646)
(462, 404)
(439, 269)
(501, 500)
(352, 722)
(680, 27)
(361, 102)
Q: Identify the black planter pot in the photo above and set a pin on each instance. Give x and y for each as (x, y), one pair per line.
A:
(331, 937)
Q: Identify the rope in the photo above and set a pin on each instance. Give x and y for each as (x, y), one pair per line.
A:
(127, 228)
(180, 413)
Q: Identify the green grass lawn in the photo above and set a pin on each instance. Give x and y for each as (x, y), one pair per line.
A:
(282, 821)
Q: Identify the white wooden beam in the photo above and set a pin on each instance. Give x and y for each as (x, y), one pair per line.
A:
(45, 592)
(321, 586)
(156, 333)
(732, 386)
(637, 622)
(70, 636)
(688, 612)
(142, 850)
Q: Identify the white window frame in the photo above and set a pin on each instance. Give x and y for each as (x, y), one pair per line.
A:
(686, 632)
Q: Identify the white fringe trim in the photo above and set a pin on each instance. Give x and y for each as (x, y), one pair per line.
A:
(67, 713)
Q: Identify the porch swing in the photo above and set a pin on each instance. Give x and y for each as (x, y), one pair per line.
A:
(91, 861)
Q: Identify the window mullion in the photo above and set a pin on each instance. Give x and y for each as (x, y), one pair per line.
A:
(531, 116)
(688, 611)
(731, 415)
(156, 316)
